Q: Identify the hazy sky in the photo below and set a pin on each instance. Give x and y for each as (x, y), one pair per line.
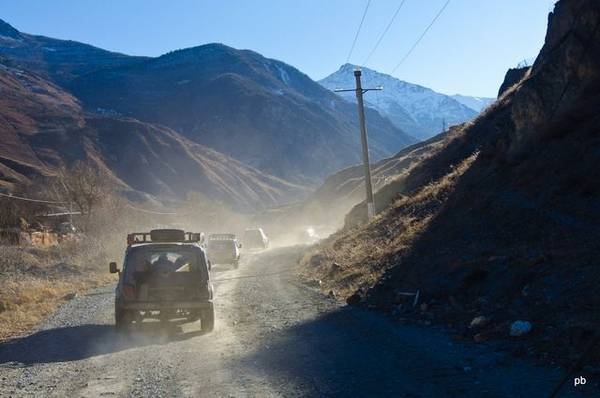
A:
(467, 51)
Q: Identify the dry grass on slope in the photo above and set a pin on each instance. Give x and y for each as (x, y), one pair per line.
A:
(35, 281)
(352, 260)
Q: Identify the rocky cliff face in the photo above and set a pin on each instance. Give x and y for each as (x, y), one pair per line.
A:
(513, 76)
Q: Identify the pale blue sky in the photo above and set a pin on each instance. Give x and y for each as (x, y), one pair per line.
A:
(467, 51)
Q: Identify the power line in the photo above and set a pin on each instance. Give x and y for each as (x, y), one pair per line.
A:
(421, 37)
(151, 212)
(57, 202)
(358, 31)
(32, 200)
(384, 32)
(63, 203)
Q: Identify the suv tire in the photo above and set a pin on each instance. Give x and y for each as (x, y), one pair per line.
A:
(207, 319)
(122, 319)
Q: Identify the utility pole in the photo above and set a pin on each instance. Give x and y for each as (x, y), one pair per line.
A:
(364, 140)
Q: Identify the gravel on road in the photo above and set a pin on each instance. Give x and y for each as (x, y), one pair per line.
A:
(273, 337)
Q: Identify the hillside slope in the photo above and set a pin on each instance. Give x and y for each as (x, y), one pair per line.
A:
(343, 190)
(258, 110)
(503, 221)
(41, 126)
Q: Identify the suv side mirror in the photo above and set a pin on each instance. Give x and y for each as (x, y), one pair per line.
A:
(112, 267)
(239, 245)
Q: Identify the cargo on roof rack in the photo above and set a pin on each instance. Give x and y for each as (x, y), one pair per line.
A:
(221, 237)
(165, 235)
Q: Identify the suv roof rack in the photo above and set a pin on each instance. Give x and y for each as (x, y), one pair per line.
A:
(165, 235)
(221, 237)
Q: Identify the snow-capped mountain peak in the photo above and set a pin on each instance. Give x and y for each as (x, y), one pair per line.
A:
(418, 110)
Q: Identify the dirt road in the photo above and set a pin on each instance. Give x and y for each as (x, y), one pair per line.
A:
(273, 337)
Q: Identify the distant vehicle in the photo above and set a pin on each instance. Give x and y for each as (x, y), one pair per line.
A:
(165, 276)
(255, 238)
(223, 249)
(309, 235)
(66, 228)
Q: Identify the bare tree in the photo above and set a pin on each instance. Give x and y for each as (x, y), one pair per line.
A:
(83, 186)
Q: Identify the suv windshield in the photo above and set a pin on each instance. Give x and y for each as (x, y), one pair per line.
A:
(254, 235)
(221, 244)
(152, 259)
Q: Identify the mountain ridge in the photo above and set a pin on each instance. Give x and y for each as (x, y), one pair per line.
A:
(243, 97)
(260, 111)
(56, 59)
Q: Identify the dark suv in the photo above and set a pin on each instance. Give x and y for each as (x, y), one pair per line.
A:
(165, 276)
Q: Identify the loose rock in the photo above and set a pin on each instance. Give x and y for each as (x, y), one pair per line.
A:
(335, 267)
(69, 296)
(479, 337)
(520, 328)
(478, 322)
